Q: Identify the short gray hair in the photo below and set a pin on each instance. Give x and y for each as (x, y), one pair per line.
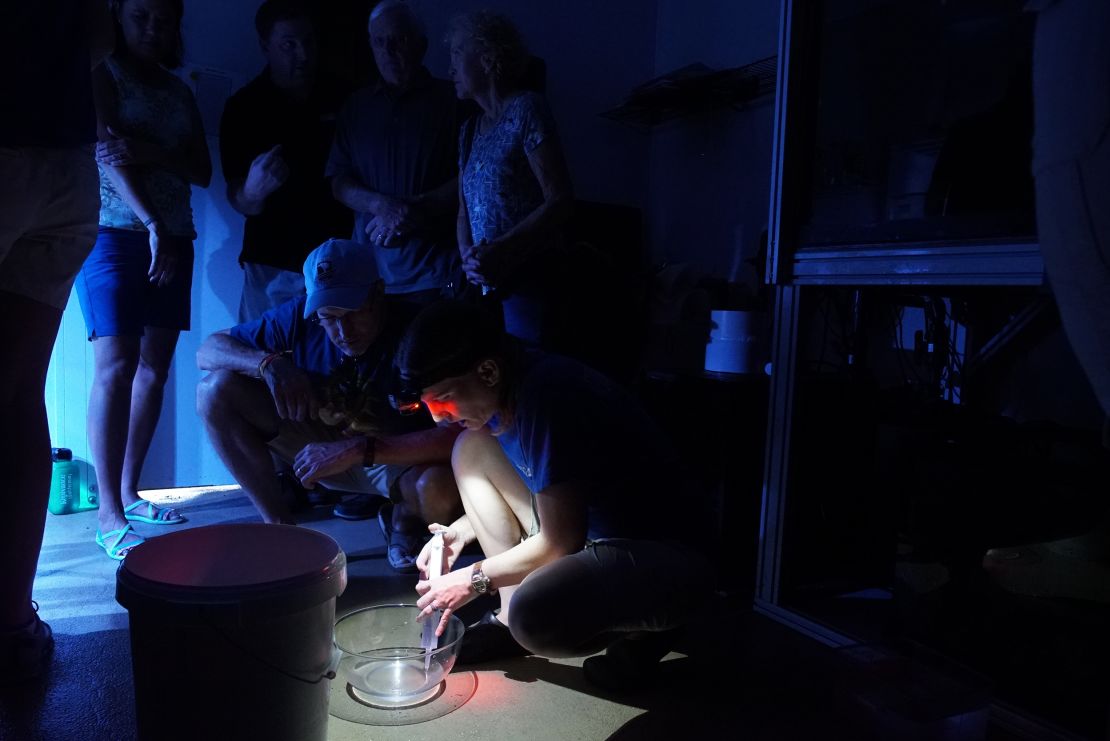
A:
(497, 37)
(400, 6)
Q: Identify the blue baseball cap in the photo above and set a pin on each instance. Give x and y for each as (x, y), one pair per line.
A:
(339, 273)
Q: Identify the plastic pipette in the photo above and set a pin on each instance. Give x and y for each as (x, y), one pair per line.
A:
(428, 640)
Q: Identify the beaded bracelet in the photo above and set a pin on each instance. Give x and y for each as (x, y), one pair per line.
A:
(265, 362)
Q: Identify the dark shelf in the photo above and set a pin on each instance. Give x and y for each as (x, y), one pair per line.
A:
(693, 89)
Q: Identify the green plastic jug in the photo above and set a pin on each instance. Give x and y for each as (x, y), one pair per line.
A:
(69, 491)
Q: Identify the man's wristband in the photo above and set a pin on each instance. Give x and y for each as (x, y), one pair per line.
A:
(265, 362)
(369, 451)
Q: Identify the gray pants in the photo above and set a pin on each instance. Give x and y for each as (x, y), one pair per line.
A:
(581, 603)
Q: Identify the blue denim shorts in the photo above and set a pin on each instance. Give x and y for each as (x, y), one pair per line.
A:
(118, 300)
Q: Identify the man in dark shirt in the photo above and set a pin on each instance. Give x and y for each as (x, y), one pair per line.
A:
(274, 140)
(394, 161)
(309, 381)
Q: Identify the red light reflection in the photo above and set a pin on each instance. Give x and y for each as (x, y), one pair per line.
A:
(442, 410)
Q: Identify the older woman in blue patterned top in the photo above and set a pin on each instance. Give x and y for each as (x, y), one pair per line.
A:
(514, 189)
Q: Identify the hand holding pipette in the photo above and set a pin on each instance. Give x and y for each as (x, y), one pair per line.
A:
(428, 640)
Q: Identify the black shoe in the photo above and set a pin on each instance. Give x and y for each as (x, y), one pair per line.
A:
(293, 494)
(25, 652)
(489, 640)
(300, 499)
(322, 496)
(359, 507)
(630, 663)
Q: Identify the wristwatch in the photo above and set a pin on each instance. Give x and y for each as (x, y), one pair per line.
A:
(479, 581)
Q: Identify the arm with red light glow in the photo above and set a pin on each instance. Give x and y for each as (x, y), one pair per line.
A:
(319, 460)
(562, 510)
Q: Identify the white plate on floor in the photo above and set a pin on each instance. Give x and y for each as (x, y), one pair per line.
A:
(454, 692)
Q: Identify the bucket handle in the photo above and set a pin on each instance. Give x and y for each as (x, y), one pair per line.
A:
(333, 663)
(336, 655)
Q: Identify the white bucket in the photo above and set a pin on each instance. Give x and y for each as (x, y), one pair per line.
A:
(735, 342)
(231, 631)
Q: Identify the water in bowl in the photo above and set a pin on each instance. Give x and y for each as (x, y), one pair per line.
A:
(394, 677)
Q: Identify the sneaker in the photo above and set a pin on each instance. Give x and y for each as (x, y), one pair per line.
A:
(25, 652)
(631, 662)
(489, 640)
(359, 507)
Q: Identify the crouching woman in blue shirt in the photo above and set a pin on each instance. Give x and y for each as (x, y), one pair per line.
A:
(562, 476)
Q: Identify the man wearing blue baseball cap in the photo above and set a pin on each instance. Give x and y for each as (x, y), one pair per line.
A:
(308, 383)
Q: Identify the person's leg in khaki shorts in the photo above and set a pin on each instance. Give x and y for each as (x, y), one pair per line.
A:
(48, 214)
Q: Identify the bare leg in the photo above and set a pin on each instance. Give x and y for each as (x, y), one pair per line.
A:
(239, 414)
(430, 495)
(147, 390)
(497, 503)
(115, 360)
(27, 332)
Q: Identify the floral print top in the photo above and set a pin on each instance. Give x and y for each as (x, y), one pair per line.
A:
(498, 185)
(162, 114)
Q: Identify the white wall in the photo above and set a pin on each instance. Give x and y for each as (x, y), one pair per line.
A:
(702, 183)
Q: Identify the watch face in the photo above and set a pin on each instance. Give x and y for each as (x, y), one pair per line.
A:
(479, 581)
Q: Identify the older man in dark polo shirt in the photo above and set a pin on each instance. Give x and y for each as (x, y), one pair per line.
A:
(394, 162)
(274, 141)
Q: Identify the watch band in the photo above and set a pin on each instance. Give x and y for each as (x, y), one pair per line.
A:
(479, 582)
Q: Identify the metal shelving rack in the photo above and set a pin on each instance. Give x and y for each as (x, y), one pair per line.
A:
(694, 89)
(793, 270)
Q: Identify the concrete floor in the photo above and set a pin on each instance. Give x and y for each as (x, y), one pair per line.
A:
(738, 675)
(88, 694)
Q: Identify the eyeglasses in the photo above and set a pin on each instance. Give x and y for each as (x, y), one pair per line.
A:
(364, 311)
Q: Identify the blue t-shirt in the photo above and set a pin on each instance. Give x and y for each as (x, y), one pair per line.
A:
(571, 424)
(403, 146)
(498, 185)
(357, 386)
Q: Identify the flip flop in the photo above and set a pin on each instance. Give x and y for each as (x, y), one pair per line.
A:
(154, 515)
(114, 549)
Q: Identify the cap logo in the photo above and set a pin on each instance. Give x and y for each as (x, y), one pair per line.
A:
(324, 272)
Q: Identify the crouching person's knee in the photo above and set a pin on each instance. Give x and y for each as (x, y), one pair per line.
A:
(538, 622)
(213, 391)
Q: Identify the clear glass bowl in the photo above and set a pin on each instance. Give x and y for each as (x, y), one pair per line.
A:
(381, 658)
